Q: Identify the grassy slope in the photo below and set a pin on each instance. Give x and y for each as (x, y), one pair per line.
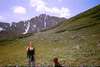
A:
(76, 41)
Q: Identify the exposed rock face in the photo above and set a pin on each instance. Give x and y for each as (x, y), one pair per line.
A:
(35, 24)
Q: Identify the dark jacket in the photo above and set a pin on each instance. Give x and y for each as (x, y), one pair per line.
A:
(30, 54)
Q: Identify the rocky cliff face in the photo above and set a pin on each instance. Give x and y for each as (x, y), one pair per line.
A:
(35, 24)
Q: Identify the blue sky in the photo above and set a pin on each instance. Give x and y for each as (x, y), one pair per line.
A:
(16, 10)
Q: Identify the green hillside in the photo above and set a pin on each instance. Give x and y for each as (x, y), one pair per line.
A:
(76, 41)
(88, 19)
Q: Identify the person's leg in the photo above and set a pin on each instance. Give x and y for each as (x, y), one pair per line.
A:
(33, 64)
(33, 61)
(29, 62)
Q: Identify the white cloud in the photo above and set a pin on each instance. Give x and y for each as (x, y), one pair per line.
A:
(19, 10)
(1, 17)
(42, 7)
(37, 3)
(60, 0)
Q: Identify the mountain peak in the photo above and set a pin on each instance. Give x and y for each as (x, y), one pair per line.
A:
(33, 25)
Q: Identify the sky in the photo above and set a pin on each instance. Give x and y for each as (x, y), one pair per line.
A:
(17, 10)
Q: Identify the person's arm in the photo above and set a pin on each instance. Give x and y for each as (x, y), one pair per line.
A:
(27, 51)
(26, 48)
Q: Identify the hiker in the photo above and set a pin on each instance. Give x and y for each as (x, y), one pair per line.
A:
(31, 54)
(56, 63)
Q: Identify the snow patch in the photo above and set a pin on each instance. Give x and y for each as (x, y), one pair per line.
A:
(45, 24)
(1, 29)
(26, 30)
(34, 26)
(10, 24)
